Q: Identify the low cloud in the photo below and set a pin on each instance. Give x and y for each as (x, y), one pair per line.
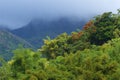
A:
(16, 13)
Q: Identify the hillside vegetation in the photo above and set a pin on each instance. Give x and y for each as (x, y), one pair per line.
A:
(90, 54)
(9, 42)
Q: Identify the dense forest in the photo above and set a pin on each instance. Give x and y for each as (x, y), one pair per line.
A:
(92, 53)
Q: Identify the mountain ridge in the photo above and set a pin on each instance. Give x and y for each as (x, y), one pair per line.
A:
(35, 31)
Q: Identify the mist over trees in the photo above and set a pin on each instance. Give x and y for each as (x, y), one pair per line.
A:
(91, 53)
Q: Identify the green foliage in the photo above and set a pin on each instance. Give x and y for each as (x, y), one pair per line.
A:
(106, 28)
(5, 71)
(97, 63)
(71, 57)
(57, 46)
(23, 61)
(116, 33)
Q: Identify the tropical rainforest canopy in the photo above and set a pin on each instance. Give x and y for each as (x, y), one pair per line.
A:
(92, 53)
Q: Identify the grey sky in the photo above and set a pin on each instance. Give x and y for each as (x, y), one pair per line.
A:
(16, 13)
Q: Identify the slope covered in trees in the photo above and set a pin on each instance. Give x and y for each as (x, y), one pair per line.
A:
(9, 42)
(90, 54)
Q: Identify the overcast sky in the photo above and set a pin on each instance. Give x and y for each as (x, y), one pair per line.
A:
(16, 13)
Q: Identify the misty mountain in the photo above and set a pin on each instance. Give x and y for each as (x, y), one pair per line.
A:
(35, 31)
(9, 42)
(4, 27)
